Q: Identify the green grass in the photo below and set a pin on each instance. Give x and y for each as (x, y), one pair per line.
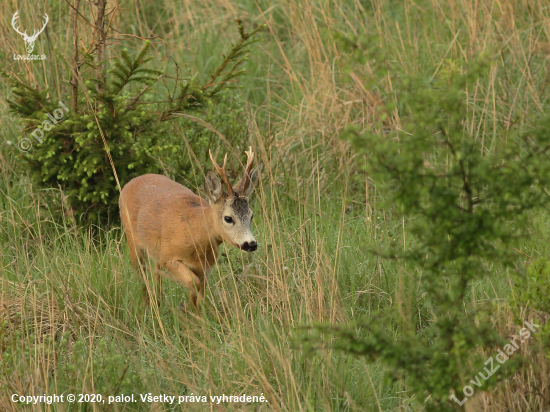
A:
(85, 290)
(73, 319)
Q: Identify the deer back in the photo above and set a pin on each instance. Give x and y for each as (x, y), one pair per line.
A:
(169, 221)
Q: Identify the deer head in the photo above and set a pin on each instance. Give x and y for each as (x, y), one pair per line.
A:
(29, 40)
(231, 210)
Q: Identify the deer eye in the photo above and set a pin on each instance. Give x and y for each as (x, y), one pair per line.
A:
(228, 219)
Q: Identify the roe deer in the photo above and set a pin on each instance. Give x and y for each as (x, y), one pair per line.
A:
(182, 232)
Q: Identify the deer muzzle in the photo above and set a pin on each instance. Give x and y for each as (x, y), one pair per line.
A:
(249, 246)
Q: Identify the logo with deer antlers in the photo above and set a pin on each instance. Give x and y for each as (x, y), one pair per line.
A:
(29, 40)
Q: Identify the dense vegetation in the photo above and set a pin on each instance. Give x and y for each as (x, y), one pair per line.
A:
(112, 133)
(343, 101)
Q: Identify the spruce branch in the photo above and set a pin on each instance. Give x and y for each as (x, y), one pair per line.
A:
(237, 55)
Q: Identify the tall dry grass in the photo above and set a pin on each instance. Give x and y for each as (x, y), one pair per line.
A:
(318, 212)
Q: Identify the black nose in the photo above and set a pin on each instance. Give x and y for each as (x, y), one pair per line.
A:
(249, 246)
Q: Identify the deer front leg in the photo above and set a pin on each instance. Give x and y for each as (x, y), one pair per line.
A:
(184, 277)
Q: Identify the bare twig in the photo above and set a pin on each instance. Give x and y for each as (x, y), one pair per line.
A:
(135, 99)
(100, 43)
(74, 80)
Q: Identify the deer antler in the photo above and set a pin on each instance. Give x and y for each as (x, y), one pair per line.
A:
(242, 186)
(35, 34)
(13, 22)
(223, 175)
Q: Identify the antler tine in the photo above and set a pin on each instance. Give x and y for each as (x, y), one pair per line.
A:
(242, 186)
(223, 175)
(249, 164)
(250, 159)
(46, 22)
(37, 32)
(13, 22)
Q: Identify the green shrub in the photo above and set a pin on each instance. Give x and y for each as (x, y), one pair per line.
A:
(112, 130)
(531, 291)
(465, 206)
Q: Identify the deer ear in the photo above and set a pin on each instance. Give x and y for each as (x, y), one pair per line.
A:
(213, 187)
(254, 177)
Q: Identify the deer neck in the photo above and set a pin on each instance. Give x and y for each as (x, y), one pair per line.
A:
(214, 223)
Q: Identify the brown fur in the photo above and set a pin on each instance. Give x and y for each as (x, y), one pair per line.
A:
(179, 230)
